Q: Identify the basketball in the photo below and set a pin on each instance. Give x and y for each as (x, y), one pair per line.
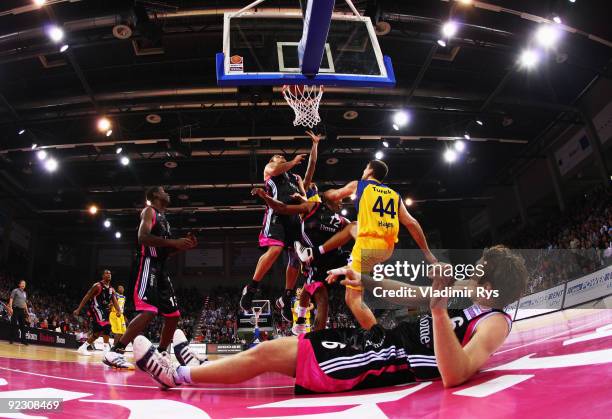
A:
(305, 209)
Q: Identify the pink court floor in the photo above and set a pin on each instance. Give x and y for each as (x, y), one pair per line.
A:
(555, 365)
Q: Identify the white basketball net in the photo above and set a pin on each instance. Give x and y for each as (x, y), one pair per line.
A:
(304, 100)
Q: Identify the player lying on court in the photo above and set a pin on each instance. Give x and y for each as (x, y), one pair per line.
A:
(451, 344)
(320, 221)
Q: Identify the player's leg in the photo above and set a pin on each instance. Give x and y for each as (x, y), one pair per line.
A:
(321, 299)
(167, 332)
(291, 275)
(93, 335)
(279, 355)
(362, 313)
(264, 264)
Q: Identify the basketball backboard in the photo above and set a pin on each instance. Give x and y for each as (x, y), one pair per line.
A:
(262, 48)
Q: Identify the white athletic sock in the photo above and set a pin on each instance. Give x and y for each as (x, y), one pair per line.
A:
(301, 311)
(321, 250)
(183, 375)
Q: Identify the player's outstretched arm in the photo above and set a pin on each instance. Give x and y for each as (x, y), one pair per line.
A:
(416, 232)
(282, 208)
(145, 237)
(344, 192)
(275, 169)
(312, 159)
(116, 305)
(93, 290)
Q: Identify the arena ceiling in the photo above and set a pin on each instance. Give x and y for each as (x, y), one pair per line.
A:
(211, 144)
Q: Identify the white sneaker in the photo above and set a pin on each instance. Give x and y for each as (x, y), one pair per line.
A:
(304, 253)
(83, 350)
(159, 366)
(184, 354)
(299, 329)
(116, 360)
(106, 348)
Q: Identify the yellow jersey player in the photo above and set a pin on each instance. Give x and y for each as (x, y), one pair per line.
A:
(297, 311)
(118, 322)
(380, 210)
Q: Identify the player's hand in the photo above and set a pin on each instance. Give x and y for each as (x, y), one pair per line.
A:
(258, 192)
(314, 137)
(118, 313)
(333, 274)
(75, 313)
(10, 311)
(183, 244)
(298, 159)
(193, 237)
(442, 278)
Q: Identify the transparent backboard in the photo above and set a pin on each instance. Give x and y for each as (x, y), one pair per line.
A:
(262, 48)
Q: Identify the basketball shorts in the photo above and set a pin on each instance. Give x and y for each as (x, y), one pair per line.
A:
(102, 328)
(335, 360)
(367, 252)
(279, 230)
(117, 324)
(153, 290)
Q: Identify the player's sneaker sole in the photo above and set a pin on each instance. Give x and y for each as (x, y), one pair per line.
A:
(246, 299)
(285, 309)
(149, 360)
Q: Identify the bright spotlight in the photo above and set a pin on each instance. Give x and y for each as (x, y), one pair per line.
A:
(529, 58)
(442, 43)
(109, 132)
(408, 202)
(379, 155)
(450, 156)
(547, 35)
(21, 131)
(34, 145)
(118, 235)
(40, 2)
(396, 127)
(93, 210)
(479, 122)
(64, 48)
(466, 136)
(572, 1)
(104, 124)
(385, 144)
(344, 212)
(557, 19)
(55, 33)
(449, 29)
(400, 118)
(459, 146)
(465, 2)
(51, 165)
(42, 155)
(119, 150)
(107, 223)
(125, 160)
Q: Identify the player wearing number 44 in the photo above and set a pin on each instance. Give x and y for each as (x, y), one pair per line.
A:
(380, 212)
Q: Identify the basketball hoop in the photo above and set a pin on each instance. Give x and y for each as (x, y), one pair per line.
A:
(256, 313)
(304, 100)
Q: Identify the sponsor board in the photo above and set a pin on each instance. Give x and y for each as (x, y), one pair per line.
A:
(223, 348)
(41, 336)
(589, 287)
(540, 302)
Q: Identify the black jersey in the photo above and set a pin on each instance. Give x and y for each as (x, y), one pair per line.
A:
(281, 187)
(351, 359)
(99, 305)
(320, 224)
(416, 336)
(160, 228)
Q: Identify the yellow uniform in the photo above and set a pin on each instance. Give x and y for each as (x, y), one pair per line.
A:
(315, 198)
(377, 223)
(118, 323)
(295, 308)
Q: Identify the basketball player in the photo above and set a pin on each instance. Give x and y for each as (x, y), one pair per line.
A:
(117, 321)
(320, 221)
(100, 297)
(153, 291)
(380, 212)
(279, 231)
(335, 360)
(304, 320)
